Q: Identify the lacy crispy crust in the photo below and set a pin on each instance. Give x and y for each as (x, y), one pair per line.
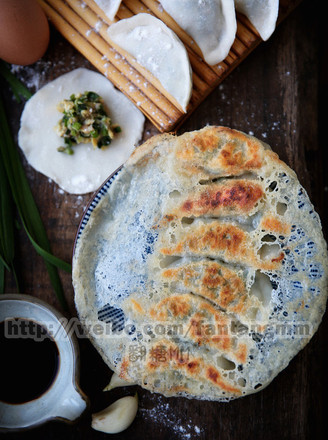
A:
(206, 263)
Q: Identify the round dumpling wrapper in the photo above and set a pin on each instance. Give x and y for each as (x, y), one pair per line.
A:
(88, 167)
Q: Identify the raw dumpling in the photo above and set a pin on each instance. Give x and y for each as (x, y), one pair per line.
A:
(110, 7)
(211, 23)
(261, 13)
(88, 167)
(155, 47)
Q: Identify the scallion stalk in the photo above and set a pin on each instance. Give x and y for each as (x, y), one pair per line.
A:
(16, 86)
(17, 189)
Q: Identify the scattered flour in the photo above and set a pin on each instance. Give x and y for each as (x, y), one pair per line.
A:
(98, 25)
(31, 77)
(163, 414)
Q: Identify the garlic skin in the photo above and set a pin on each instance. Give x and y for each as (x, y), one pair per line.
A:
(116, 417)
(117, 381)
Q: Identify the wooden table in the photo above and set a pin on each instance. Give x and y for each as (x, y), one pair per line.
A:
(276, 93)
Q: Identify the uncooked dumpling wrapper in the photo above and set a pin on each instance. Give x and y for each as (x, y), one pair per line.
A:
(261, 13)
(157, 48)
(88, 167)
(211, 23)
(110, 7)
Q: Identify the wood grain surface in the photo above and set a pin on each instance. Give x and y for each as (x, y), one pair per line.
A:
(84, 25)
(279, 93)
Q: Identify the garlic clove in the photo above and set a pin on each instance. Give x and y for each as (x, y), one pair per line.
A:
(117, 381)
(116, 417)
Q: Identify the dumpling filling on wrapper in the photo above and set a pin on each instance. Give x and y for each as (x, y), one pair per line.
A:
(88, 167)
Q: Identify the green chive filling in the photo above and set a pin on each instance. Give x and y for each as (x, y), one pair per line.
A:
(85, 120)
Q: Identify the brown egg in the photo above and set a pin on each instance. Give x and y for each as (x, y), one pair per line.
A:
(24, 31)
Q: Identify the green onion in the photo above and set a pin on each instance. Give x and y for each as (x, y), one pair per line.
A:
(27, 209)
(85, 112)
(7, 239)
(92, 96)
(16, 86)
(68, 150)
(77, 126)
(104, 130)
(105, 140)
(2, 277)
(81, 107)
(69, 141)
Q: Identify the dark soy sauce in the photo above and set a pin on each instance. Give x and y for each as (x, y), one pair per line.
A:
(29, 360)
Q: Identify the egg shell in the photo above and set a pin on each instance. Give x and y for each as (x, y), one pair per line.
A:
(24, 31)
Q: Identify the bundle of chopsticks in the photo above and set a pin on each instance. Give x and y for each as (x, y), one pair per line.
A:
(85, 26)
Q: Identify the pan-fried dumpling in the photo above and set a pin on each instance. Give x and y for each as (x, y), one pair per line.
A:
(261, 13)
(203, 264)
(110, 7)
(155, 47)
(211, 23)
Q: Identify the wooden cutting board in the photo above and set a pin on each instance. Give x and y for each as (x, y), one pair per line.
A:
(84, 25)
